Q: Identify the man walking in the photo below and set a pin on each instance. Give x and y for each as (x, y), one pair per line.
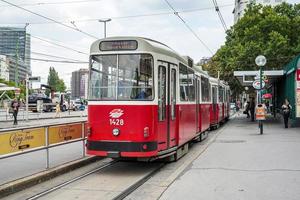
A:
(15, 107)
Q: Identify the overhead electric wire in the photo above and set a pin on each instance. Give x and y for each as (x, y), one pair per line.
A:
(59, 61)
(53, 56)
(50, 19)
(53, 3)
(68, 60)
(128, 16)
(50, 41)
(56, 44)
(185, 23)
(220, 15)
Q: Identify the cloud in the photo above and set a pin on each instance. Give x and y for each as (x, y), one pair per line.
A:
(164, 28)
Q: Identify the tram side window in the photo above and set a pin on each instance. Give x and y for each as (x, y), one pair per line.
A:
(214, 94)
(103, 77)
(161, 93)
(209, 91)
(205, 88)
(183, 82)
(191, 85)
(221, 94)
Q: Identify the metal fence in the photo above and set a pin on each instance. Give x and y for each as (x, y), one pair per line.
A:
(17, 142)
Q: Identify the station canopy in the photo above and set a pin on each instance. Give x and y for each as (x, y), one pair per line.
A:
(246, 78)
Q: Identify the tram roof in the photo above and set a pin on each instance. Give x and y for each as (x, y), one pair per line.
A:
(144, 44)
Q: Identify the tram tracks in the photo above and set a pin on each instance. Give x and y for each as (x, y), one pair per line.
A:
(52, 189)
(113, 180)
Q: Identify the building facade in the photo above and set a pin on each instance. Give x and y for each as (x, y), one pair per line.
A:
(241, 5)
(15, 43)
(4, 70)
(17, 70)
(79, 83)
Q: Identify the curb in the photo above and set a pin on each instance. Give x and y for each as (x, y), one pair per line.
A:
(29, 181)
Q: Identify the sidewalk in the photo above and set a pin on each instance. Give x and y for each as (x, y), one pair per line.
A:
(241, 164)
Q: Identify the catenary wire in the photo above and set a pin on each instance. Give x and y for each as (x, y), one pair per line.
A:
(50, 41)
(126, 17)
(53, 3)
(50, 19)
(43, 54)
(56, 44)
(185, 23)
(217, 8)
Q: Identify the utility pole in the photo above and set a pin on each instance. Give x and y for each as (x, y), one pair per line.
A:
(17, 63)
(27, 85)
(104, 21)
(260, 61)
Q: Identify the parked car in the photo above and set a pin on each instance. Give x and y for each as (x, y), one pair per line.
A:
(76, 104)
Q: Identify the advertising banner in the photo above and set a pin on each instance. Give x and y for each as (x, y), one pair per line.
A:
(14, 141)
(63, 133)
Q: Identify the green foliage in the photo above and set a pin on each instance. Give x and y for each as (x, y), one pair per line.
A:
(11, 94)
(270, 31)
(55, 82)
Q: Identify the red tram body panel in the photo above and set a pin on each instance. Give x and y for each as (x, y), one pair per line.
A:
(146, 101)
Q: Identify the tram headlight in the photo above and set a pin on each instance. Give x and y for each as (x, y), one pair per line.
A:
(115, 132)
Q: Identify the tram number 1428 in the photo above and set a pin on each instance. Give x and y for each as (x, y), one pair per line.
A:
(116, 122)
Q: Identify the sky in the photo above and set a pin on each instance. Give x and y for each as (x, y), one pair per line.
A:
(167, 28)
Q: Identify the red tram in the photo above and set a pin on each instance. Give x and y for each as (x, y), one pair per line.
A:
(146, 101)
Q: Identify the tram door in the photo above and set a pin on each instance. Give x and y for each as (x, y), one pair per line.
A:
(198, 108)
(166, 105)
(215, 102)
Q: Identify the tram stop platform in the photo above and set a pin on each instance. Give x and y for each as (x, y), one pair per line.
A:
(242, 164)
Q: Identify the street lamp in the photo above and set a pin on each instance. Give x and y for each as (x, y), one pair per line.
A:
(104, 21)
(260, 61)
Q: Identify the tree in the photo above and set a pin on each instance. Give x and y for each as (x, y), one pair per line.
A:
(270, 31)
(55, 82)
(11, 93)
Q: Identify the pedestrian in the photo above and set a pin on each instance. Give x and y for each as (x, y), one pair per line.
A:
(286, 110)
(57, 110)
(246, 108)
(15, 104)
(82, 108)
(238, 105)
(252, 108)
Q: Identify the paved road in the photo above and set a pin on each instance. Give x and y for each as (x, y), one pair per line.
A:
(241, 164)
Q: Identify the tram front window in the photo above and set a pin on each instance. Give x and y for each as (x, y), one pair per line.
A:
(122, 77)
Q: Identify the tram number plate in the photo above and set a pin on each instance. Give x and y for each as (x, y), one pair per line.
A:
(116, 122)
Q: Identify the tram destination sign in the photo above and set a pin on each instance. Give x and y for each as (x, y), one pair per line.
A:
(118, 45)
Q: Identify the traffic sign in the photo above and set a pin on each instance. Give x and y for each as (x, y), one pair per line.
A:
(34, 79)
(256, 84)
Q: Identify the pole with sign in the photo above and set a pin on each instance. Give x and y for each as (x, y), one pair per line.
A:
(260, 61)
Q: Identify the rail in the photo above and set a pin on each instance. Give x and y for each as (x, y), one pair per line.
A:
(15, 142)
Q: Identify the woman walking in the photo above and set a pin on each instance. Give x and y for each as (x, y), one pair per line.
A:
(286, 110)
